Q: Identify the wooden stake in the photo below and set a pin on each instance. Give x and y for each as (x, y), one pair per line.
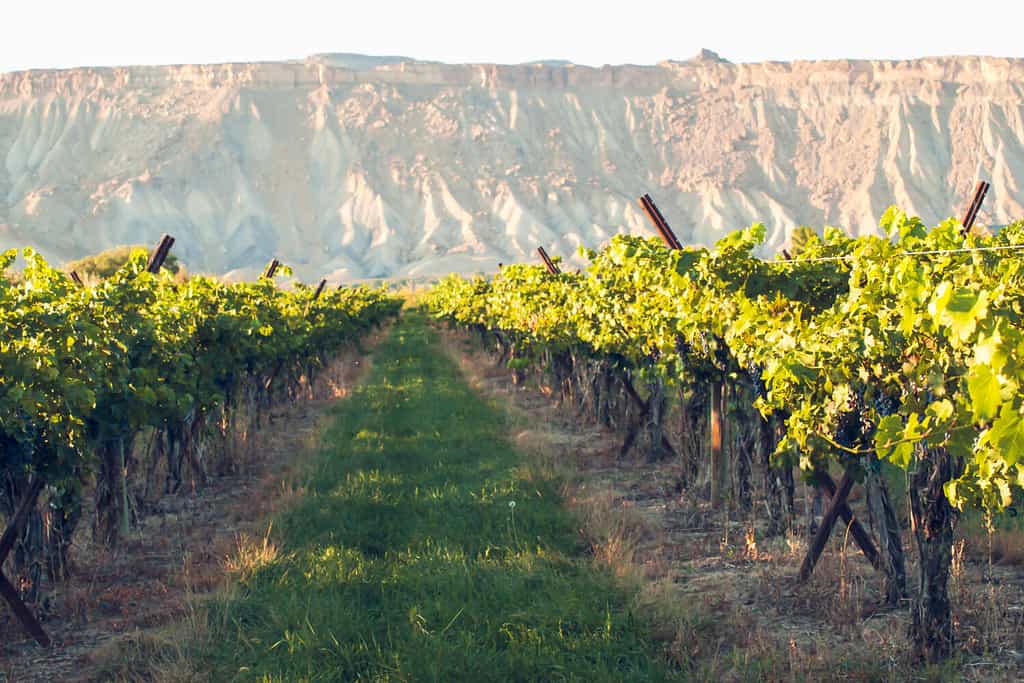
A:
(971, 213)
(271, 268)
(16, 522)
(660, 224)
(22, 612)
(552, 268)
(159, 254)
(76, 278)
(319, 289)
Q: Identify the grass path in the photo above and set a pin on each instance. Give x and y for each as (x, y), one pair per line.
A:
(425, 550)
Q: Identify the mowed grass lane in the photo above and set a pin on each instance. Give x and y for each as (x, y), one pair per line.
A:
(424, 550)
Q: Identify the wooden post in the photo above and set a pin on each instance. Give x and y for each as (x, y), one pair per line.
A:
(125, 512)
(660, 224)
(319, 289)
(76, 278)
(271, 269)
(7, 590)
(159, 254)
(716, 457)
(316, 295)
(22, 612)
(971, 213)
(548, 263)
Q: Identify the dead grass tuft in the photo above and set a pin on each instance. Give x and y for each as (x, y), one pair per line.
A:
(614, 532)
(250, 555)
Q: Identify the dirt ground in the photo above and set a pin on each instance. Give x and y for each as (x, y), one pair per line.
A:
(179, 553)
(725, 597)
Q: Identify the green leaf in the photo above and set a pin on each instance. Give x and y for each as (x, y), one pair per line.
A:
(964, 309)
(1007, 435)
(1005, 496)
(889, 433)
(901, 455)
(960, 443)
(687, 259)
(941, 410)
(952, 494)
(983, 387)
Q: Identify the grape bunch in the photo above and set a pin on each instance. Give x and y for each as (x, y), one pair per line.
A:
(754, 374)
(848, 429)
(851, 427)
(683, 347)
(886, 404)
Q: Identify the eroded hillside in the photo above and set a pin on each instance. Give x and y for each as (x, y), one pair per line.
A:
(363, 167)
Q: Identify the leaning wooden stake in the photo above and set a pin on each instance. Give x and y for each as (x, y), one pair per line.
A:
(271, 268)
(76, 278)
(319, 289)
(717, 416)
(159, 254)
(316, 294)
(971, 213)
(7, 590)
(660, 224)
(548, 263)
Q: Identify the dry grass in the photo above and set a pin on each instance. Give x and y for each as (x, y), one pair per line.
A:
(251, 554)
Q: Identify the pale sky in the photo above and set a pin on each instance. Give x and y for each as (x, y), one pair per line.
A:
(48, 34)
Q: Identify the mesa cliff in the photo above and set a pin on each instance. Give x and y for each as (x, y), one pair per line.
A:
(357, 167)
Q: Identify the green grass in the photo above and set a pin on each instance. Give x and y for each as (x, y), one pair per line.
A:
(406, 559)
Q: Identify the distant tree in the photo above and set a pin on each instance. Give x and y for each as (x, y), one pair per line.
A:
(104, 264)
(800, 237)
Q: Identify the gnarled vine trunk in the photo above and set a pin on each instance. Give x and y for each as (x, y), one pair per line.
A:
(693, 412)
(933, 521)
(60, 520)
(779, 487)
(113, 509)
(745, 434)
(890, 543)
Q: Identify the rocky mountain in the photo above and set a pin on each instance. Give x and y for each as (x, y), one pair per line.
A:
(359, 166)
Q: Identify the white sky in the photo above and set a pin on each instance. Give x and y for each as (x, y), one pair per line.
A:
(53, 34)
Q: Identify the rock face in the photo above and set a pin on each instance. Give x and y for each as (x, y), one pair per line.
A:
(360, 166)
